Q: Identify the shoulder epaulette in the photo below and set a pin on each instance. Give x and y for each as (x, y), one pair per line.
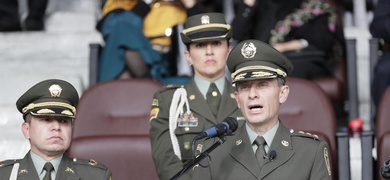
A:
(8, 162)
(304, 134)
(169, 87)
(88, 162)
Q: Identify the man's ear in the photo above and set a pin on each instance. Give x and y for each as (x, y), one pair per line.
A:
(236, 97)
(285, 90)
(26, 130)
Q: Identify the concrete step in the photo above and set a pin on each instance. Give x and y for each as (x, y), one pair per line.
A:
(61, 51)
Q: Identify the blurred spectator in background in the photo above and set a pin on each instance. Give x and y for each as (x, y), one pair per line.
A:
(306, 31)
(10, 20)
(127, 52)
(137, 38)
(380, 28)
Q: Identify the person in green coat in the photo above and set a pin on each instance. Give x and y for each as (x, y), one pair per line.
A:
(259, 73)
(181, 112)
(49, 109)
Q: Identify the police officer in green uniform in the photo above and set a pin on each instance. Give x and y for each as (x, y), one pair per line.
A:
(264, 148)
(49, 109)
(180, 112)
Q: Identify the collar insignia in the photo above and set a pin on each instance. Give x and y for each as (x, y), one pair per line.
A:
(23, 171)
(68, 169)
(238, 142)
(285, 143)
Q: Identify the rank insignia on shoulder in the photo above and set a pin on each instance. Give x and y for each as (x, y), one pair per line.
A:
(306, 134)
(8, 162)
(92, 162)
(170, 86)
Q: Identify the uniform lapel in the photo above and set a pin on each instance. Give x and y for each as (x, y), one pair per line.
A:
(198, 103)
(243, 153)
(228, 103)
(282, 145)
(66, 169)
(27, 169)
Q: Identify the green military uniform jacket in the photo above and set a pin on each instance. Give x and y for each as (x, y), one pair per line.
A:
(69, 169)
(299, 156)
(166, 162)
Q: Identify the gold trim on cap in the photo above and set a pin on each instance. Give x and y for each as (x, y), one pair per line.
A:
(207, 38)
(44, 104)
(214, 25)
(46, 111)
(236, 76)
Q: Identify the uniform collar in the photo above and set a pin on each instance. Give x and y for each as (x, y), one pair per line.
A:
(268, 136)
(40, 162)
(203, 85)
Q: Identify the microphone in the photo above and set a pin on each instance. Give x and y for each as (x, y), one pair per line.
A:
(271, 156)
(227, 126)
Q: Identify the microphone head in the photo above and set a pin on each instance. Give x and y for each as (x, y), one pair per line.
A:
(227, 126)
(232, 123)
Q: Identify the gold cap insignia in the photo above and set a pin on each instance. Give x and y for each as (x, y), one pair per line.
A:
(248, 50)
(205, 19)
(55, 90)
(67, 112)
(45, 111)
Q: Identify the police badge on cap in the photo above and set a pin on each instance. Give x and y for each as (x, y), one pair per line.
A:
(253, 59)
(51, 97)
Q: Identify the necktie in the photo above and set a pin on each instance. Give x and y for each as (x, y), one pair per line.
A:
(213, 98)
(48, 168)
(260, 152)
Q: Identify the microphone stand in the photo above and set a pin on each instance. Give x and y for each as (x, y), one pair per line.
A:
(199, 158)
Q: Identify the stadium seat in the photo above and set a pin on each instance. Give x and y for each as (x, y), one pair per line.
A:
(383, 130)
(336, 88)
(112, 127)
(309, 109)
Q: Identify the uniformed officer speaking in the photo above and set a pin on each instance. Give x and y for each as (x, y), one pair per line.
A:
(180, 112)
(264, 148)
(49, 109)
